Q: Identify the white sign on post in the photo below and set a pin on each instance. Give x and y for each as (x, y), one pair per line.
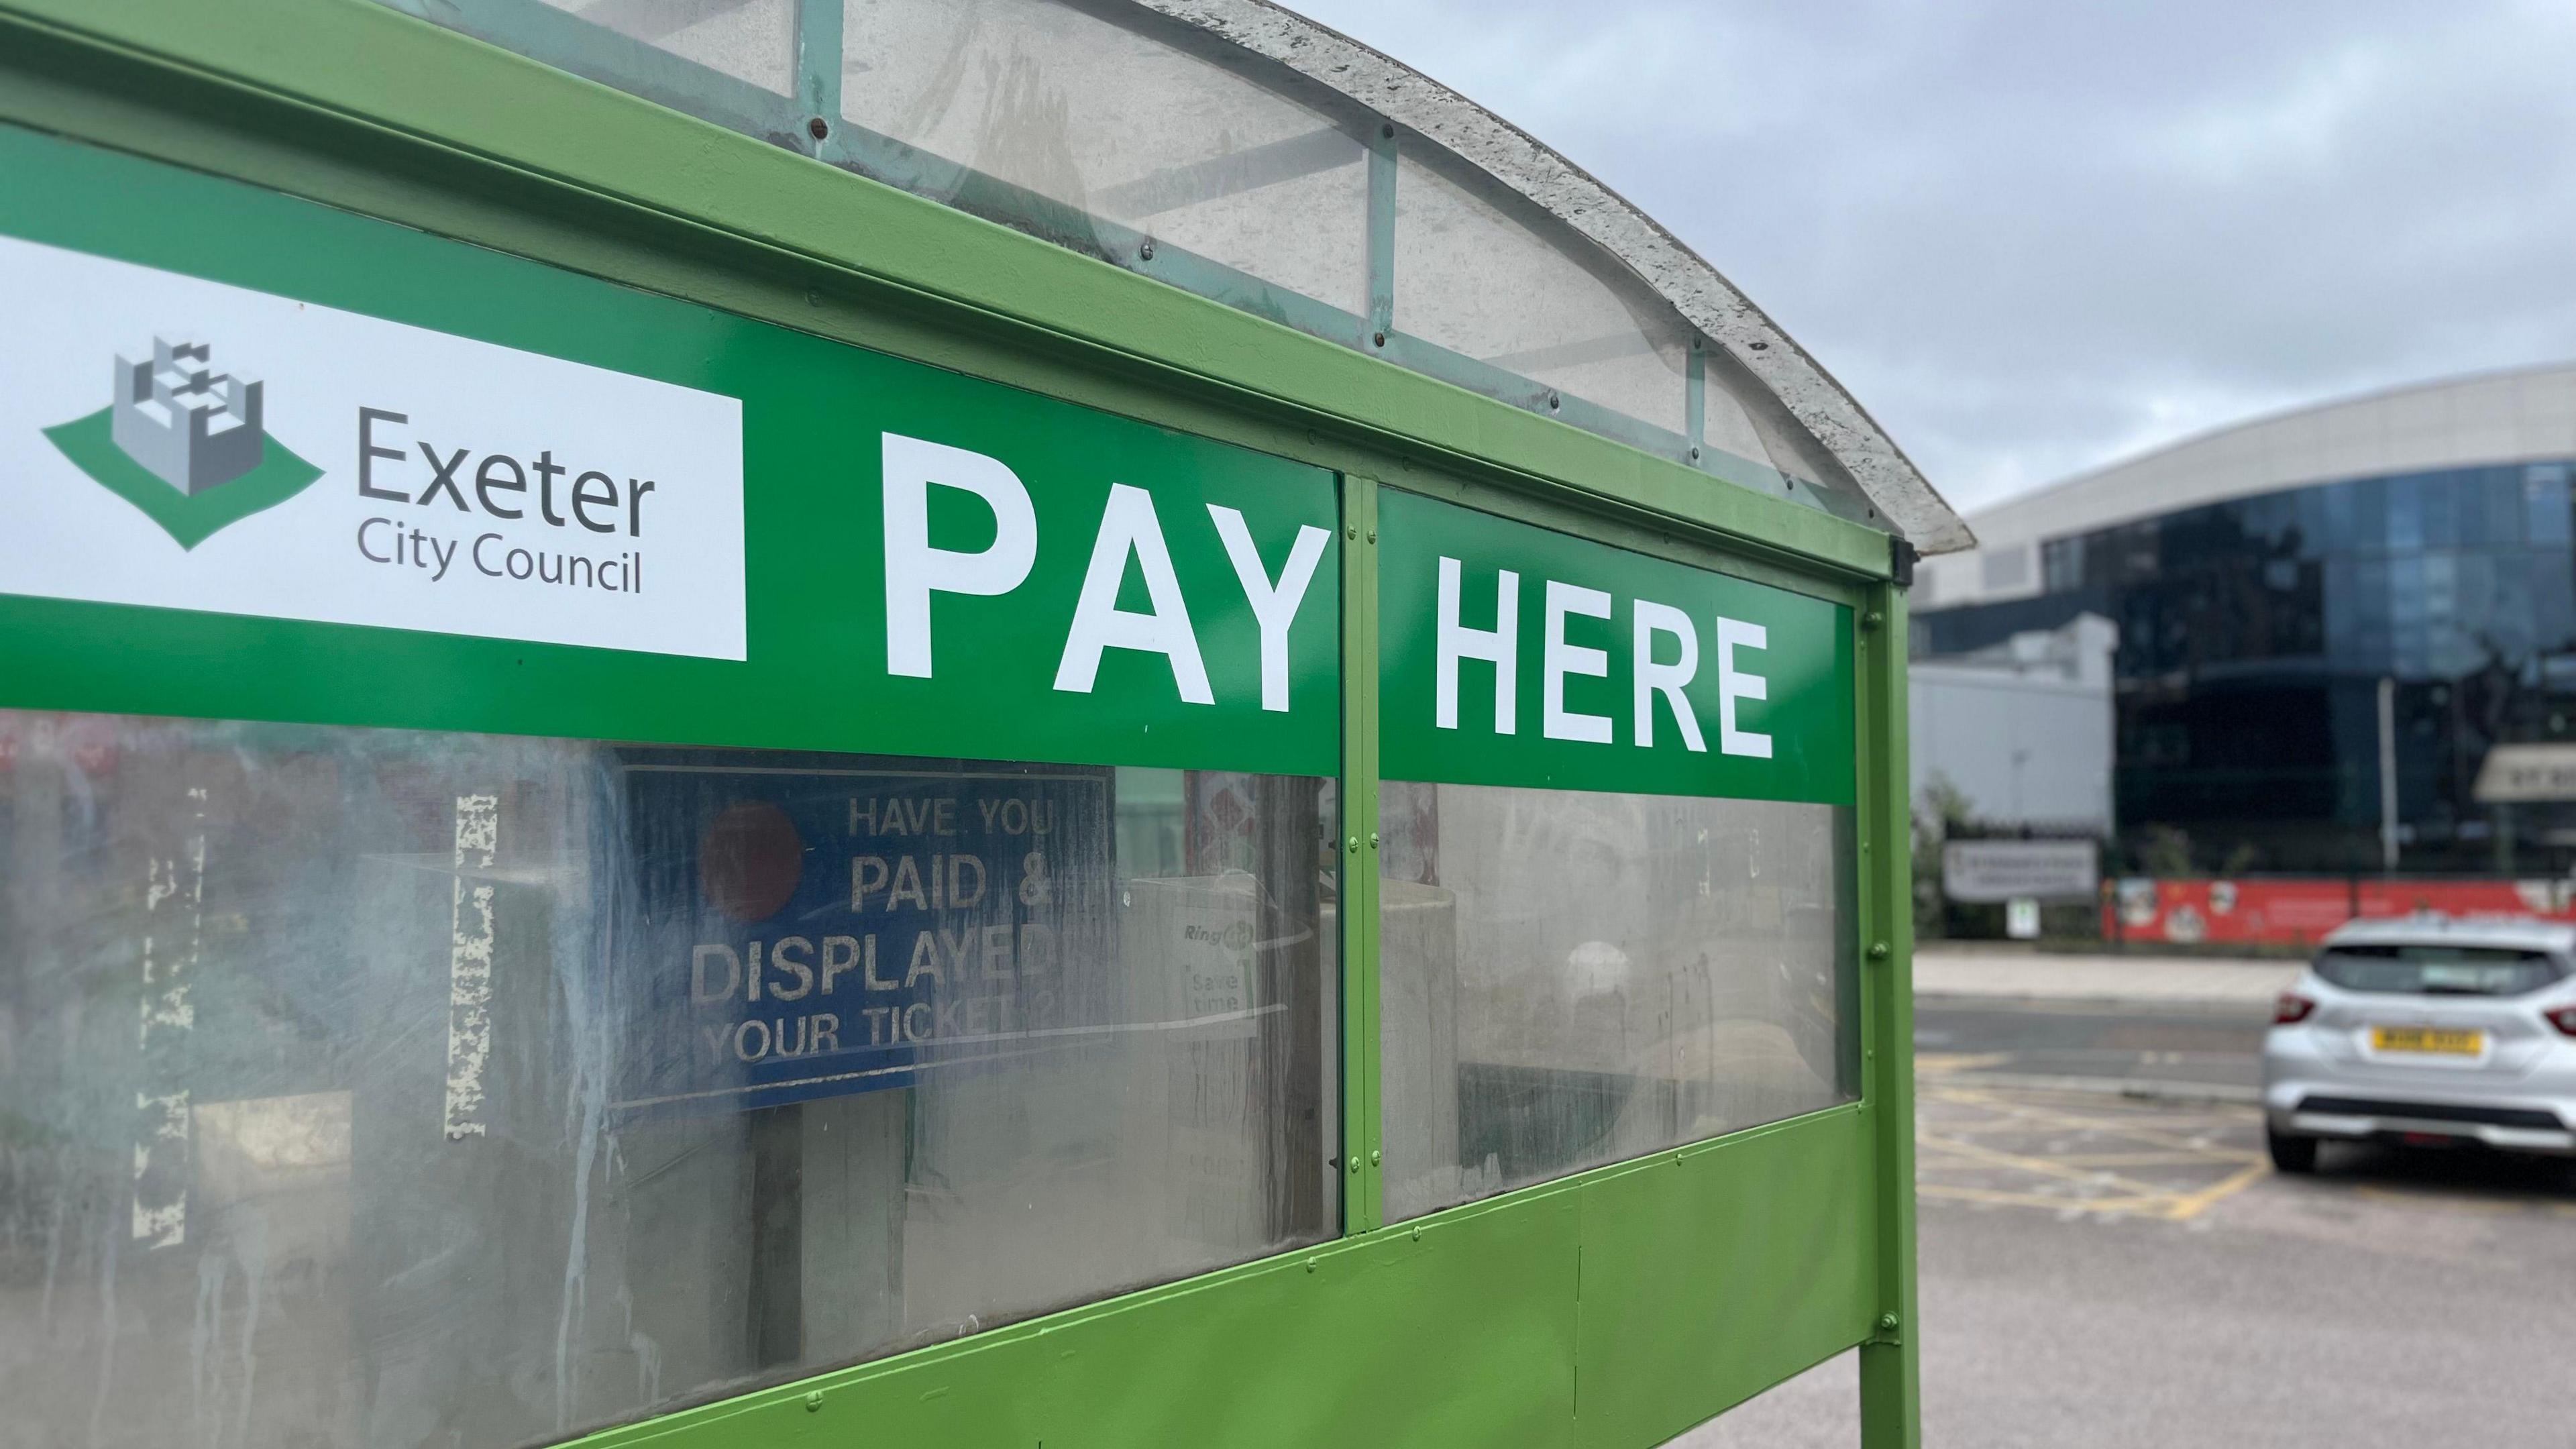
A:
(180, 443)
(1982, 871)
(2519, 774)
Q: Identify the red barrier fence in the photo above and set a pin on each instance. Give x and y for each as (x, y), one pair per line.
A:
(2296, 912)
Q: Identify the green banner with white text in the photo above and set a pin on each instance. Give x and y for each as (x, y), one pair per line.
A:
(274, 460)
(1515, 655)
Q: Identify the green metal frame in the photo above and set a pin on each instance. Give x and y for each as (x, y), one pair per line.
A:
(1616, 1307)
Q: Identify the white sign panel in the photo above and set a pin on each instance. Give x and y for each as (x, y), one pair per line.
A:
(2516, 774)
(2001, 870)
(189, 445)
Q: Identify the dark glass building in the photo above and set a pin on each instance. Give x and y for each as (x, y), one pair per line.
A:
(2272, 582)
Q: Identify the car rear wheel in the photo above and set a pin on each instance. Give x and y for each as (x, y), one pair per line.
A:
(2291, 1153)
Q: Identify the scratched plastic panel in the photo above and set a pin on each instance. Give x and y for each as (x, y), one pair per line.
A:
(750, 40)
(1570, 979)
(1077, 117)
(372, 1088)
(1480, 272)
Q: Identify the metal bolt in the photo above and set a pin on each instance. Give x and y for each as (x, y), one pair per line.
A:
(1387, 130)
(1417, 1235)
(1872, 619)
(814, 1398)
(1887, 1323)
(1878, 950)
(1759, 346)
(1694, 455)
(1311, 1264)
(1372, 535)
(1372, 840)
(817, 128)
(1355, 1166)
(1355, 845)
(1552, 401)
(1373, 1157)
(1350, 533)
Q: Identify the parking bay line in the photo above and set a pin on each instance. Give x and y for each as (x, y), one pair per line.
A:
(2192, 1205)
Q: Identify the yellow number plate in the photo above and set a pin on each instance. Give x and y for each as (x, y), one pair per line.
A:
(2440, 1041)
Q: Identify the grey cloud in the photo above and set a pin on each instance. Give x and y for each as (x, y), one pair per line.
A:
(2034, 236)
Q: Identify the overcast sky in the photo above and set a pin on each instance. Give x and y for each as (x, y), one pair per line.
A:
(2034, 236)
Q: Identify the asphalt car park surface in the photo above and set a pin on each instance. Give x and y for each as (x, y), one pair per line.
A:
(2202, 1044)
(2102, 1267)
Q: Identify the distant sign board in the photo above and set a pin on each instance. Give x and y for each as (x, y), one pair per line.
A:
(2515, 774)
(1979, 871)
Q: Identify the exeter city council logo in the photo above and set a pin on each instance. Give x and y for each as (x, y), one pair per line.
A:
(184, 444)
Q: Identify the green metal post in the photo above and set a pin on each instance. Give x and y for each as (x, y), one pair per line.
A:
(1891, 1396)
(1363, 1127)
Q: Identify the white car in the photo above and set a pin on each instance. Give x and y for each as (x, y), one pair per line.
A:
(2430, 1031)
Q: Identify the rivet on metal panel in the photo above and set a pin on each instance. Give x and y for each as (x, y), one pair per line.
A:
(1872, 619)
(1417, 1235)
(1554, 402)
(1311, 1264)
(814, 1401)
(1373, 1157)
(1146, 251)
(1372, 535)
(1377, 339)
(1372, 840)
(1355, 845)
(1387, 131)
(1352, 533)
(1694, 455)
(818, 128)
(1878, 950)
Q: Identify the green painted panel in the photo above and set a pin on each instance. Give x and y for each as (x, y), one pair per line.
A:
(1612, 1309)
(814, 418)
(1678, 1318)
(1766, 673)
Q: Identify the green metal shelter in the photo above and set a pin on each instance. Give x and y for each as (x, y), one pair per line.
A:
(952, 722)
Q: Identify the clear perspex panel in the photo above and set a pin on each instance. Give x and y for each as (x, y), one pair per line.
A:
(1572, 978)
(385, 1088)
(1617, 862)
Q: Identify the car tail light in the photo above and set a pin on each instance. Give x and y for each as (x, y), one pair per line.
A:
(2294, 1007)
(2564, 1018)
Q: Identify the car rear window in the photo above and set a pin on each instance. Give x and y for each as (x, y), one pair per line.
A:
(2436, 970)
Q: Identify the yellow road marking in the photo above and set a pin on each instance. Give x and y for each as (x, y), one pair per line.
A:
(2191, 1205)
(1957, 1141)
(2042, 1167)
(2201, 1156)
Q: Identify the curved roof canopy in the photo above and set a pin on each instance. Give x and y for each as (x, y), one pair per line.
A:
(1237, 150)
